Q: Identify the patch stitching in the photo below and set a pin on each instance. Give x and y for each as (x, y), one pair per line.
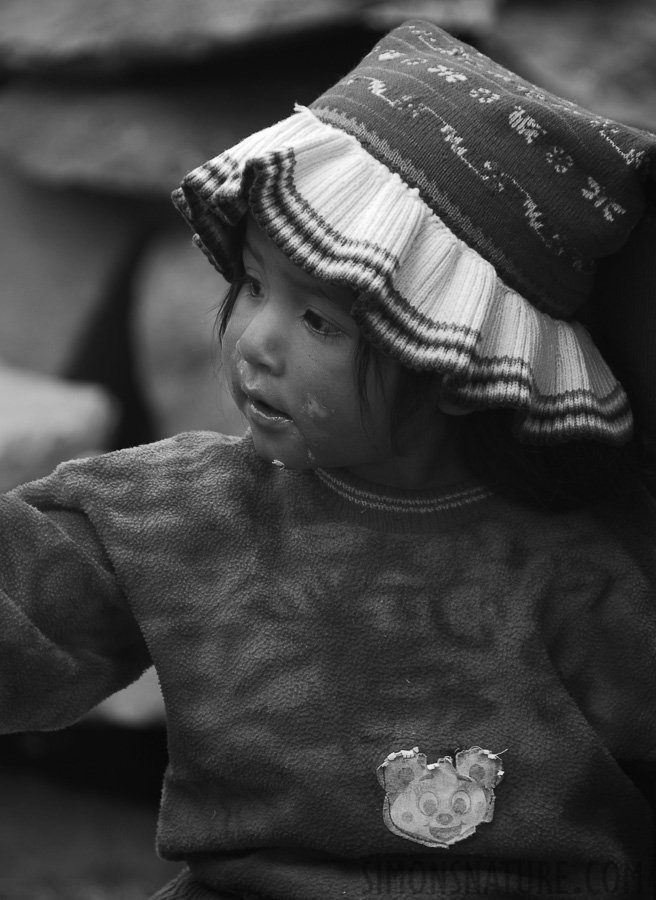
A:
(439, 804)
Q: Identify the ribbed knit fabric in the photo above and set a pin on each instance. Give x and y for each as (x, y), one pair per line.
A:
(539, 186)
(304, 626)
(469, 212)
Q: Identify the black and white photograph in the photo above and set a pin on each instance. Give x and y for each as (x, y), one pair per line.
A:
(327, 449)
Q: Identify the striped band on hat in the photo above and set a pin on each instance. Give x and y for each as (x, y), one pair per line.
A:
(468, 277)
(426, 298)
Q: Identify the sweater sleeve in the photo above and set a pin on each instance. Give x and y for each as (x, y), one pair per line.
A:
(67, 637)
(602, 628)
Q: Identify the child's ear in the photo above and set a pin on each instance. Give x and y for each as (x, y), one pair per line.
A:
(452, 409)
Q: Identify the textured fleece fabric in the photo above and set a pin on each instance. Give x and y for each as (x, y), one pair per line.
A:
(306, 625)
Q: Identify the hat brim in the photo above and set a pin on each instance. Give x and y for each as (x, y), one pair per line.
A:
(423, 296)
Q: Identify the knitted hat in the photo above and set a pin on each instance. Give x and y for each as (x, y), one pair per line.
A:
(467, 208)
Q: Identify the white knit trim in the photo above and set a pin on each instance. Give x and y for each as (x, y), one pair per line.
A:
(439, 304)
(398, 503)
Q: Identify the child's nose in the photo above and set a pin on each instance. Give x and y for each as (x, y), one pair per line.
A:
(262, 340)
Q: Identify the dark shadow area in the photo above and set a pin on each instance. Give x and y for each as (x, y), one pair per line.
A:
(124, 763)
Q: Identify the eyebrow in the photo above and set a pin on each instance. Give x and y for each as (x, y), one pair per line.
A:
(316, 289)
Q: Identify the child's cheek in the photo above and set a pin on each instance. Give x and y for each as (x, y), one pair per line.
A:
(327, 425)
(232, 361)
(314, 423)
(312, 408)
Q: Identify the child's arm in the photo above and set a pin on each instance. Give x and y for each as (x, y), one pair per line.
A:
(602, 627)
(67, 638)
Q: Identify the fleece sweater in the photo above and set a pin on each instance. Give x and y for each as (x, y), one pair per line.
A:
(305, 626)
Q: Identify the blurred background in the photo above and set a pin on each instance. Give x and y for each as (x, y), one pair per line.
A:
(107, 312)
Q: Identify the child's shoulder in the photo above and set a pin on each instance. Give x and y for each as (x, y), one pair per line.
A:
(170, 470)
(186, 454)
(600, 528)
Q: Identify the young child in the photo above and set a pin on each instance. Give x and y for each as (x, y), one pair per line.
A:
(405, 627)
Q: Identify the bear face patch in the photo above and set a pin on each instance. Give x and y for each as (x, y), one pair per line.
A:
(439, 804)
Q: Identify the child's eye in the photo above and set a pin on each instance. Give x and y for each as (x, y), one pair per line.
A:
(319, 325)
(250, 285)
(253, 286)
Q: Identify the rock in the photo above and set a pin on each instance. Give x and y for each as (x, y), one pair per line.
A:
(142, 136)
(176, 351)
(44, 421)
(117, 34)
(601, 55)
(58, 253)
(137, 140)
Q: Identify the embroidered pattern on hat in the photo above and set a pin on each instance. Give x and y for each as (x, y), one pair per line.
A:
(632, 157)
(525, 125)
(609, 208)
(606, 127)
(484, 95)
(447, 74)
(488, 171)
(560, 159)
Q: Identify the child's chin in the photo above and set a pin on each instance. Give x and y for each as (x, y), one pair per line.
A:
(294, 457)
(285, 462)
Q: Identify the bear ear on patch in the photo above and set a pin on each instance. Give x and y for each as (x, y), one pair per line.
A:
(480, 765)
(398, 769)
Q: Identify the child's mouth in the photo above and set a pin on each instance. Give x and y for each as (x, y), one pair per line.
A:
(264, 412)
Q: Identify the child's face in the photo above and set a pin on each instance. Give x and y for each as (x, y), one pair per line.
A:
(288, 349)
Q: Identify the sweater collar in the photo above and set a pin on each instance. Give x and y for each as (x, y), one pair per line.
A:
(393, 509)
